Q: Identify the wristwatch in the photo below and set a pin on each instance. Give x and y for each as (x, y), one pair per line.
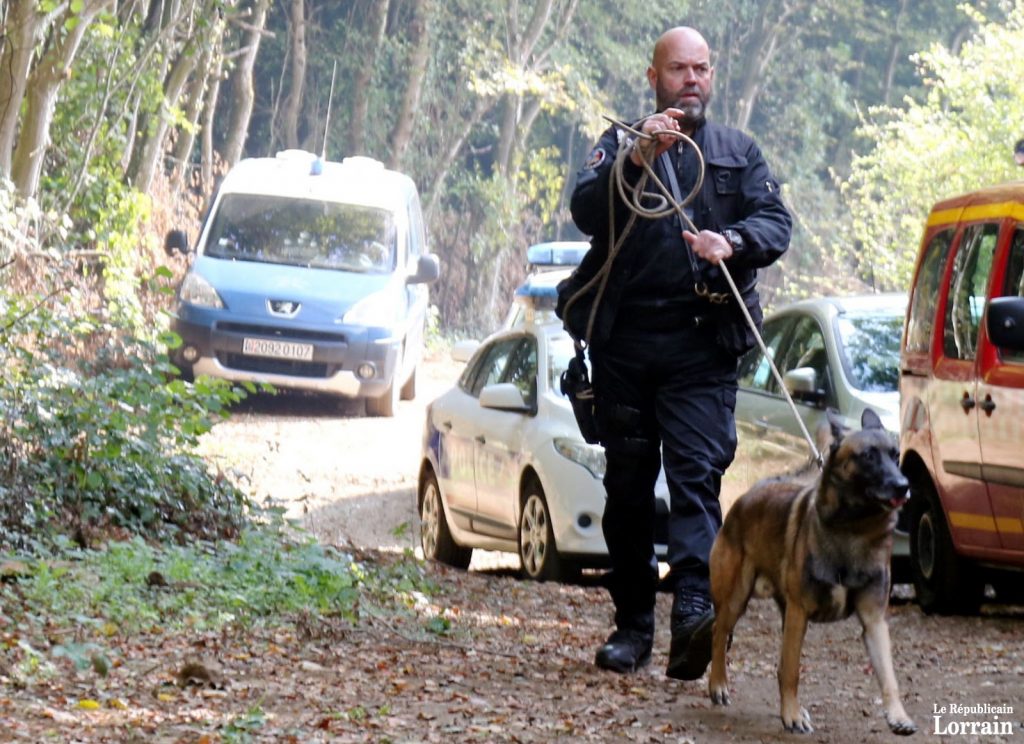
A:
(734, 239)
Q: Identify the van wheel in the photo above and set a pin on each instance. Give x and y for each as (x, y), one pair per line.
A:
(537, 550)
(386, 405)
(944, 582)
(409, 388)
(435, 535)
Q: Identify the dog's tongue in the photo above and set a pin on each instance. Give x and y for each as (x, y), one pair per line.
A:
(897, 501)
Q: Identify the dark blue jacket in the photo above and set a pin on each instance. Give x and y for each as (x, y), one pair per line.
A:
(739, 192)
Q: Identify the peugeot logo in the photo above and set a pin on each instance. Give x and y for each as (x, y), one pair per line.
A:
(285, 308)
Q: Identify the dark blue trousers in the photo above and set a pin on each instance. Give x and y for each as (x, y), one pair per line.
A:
(662, 398)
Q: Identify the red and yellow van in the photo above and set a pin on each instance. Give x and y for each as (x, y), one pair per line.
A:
(962, 402)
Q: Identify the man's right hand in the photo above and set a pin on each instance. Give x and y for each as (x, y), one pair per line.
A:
(661, 121)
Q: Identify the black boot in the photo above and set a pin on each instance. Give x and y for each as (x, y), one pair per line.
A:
(626, 650)
(693, 618)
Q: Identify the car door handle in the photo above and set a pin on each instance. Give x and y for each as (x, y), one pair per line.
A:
(988, 405)
(480, 438)
(447, 425)
(967, 402)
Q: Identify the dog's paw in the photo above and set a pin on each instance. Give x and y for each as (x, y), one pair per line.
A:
(798, 724)
(719, 694)
(901, 726)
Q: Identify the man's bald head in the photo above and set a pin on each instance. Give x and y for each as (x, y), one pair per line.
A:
(674, 37)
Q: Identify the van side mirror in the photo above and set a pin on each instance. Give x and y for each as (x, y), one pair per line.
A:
(428, 268)
(176, 241)
(1005, 322)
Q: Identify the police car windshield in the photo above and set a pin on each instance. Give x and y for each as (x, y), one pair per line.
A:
(303, 232)
(870, 343)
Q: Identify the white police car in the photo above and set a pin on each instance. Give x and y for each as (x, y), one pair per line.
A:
(504, 466)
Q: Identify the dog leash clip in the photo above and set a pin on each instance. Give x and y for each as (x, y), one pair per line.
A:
(715, 298)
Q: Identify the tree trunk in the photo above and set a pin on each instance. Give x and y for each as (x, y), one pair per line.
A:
(376, 27)
(24, 28)
(209, 111)
(760, 56)
(433, 191)
(241, 85)
(146, 157)
(524, 54)
(507, 132)
(293, 102)
(419, 34)
(41, 97)
(894, 54)
(206, 69)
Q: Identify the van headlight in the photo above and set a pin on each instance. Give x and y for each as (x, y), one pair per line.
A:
(381, 310)
(195, 290)
(590, 456)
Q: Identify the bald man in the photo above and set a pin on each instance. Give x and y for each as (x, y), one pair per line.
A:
(664, 356)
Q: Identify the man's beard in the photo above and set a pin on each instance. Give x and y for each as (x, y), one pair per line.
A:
(693, 110)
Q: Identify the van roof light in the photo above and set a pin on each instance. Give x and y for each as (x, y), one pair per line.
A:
(296, 155)
(361, 161)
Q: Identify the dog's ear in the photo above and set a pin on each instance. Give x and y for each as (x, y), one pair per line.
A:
(838, 429)
(869, 420)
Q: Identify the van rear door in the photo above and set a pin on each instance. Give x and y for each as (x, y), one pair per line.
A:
(952, 403)
(1001, 404)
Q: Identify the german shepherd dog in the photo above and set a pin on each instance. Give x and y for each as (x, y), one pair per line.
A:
(822, 550)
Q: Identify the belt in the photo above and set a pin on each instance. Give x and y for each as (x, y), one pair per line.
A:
(663, 316)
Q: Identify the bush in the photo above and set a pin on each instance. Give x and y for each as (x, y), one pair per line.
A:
(97, 434)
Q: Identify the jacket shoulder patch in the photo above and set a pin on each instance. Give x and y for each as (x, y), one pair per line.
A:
(597, 156)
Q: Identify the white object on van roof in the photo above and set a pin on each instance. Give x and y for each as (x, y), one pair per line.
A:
(300, 174)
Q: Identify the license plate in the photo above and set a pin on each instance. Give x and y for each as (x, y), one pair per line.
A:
(277, 349)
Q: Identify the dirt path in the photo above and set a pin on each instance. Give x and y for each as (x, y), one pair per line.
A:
(518, 665)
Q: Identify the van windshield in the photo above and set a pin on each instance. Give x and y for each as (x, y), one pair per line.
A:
(303, 232)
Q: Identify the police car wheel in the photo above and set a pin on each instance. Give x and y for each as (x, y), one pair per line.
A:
(435, 535)
(537, 550)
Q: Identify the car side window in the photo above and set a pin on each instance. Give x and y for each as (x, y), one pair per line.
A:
(754, 371)
(522, 369)
(1014, 286)
(490, 365)
(807, 349)
(967, 289)
(926, 292)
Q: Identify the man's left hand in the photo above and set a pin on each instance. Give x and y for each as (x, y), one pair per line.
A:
(711, 246)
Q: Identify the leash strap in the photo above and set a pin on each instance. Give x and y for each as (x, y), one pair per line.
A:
(673, 182)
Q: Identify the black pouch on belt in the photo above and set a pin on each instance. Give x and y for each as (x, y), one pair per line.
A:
(575, 384)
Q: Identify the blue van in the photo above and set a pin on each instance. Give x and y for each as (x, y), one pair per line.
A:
(310, 275)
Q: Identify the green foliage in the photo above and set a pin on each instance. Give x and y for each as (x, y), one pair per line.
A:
(84, 177)
(204, 585)
(269, 577)
(98, 434)
(958, 139)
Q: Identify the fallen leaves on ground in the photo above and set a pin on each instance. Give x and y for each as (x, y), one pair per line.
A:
(513, 663)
